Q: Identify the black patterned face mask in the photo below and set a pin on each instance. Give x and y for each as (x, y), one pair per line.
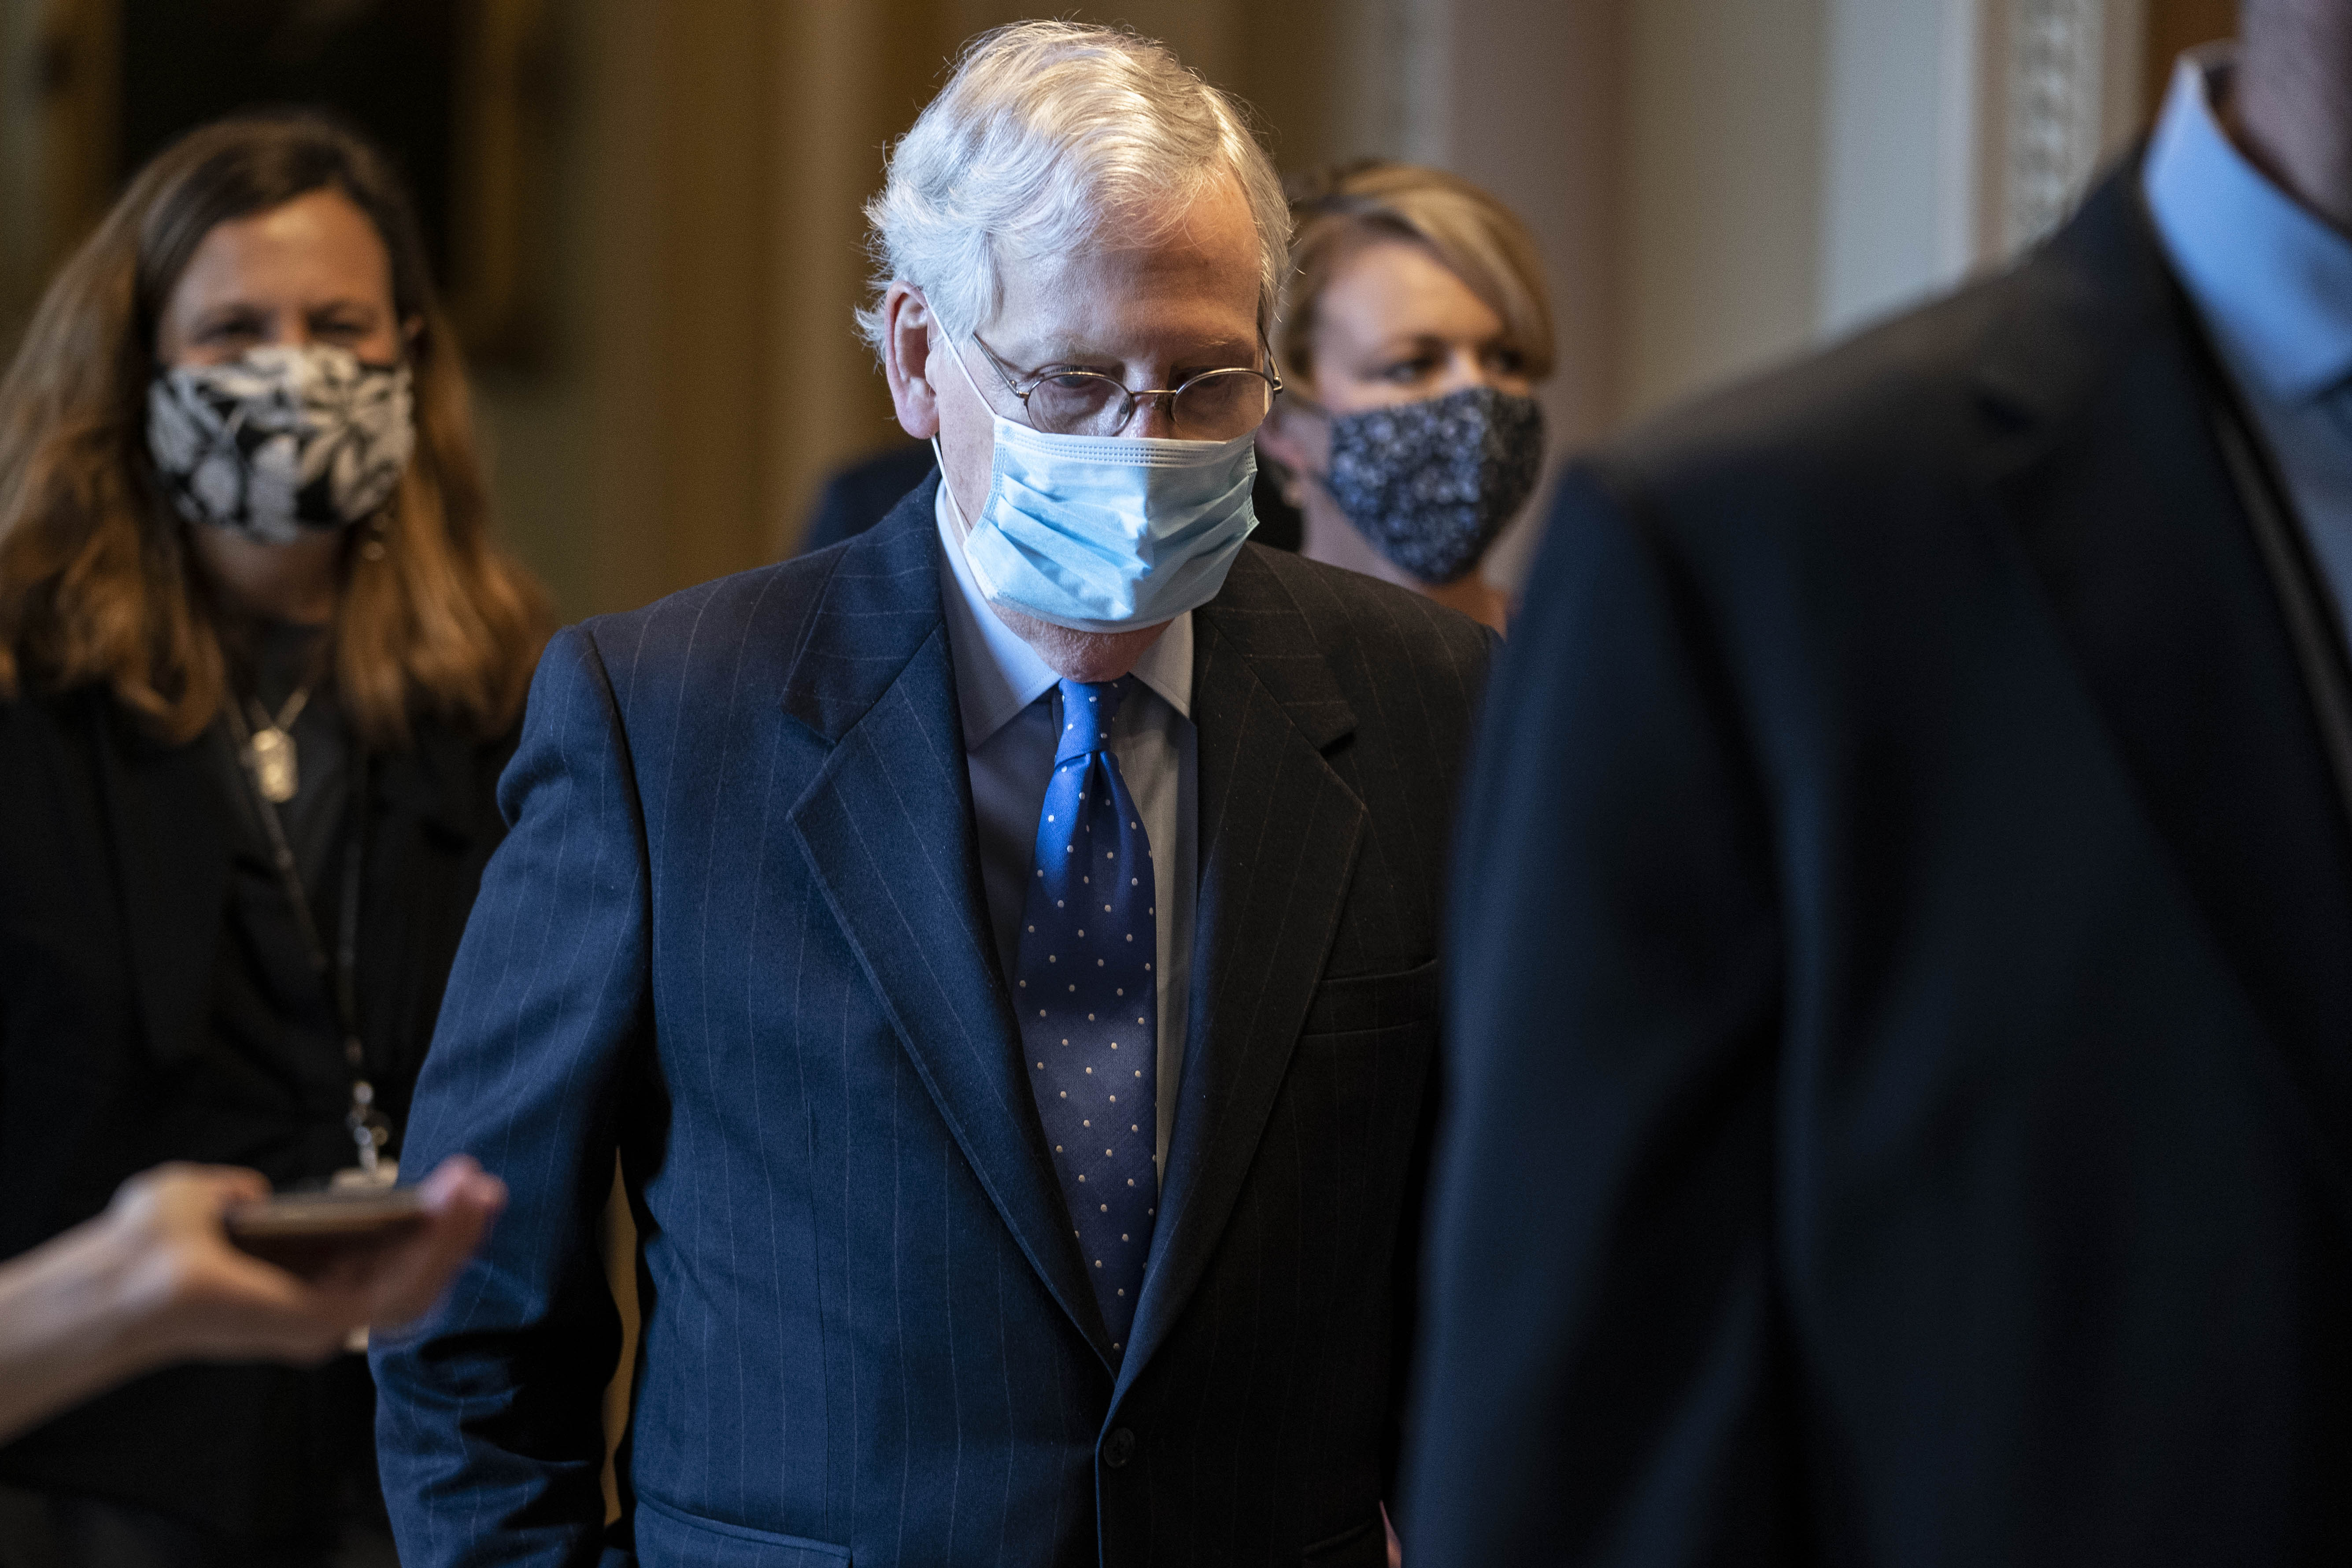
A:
(1432, 483)
(281, 440)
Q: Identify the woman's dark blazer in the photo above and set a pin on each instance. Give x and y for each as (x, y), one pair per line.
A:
(114, 873)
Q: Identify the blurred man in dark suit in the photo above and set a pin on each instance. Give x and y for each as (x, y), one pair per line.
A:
(1902, 977)
(1001, 947)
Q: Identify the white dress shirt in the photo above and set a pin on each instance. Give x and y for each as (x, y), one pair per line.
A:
(1010, 702)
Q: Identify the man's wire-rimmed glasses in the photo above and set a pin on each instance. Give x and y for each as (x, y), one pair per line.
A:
(1214, 406)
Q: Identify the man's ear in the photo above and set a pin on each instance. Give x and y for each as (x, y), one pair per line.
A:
(907, 323)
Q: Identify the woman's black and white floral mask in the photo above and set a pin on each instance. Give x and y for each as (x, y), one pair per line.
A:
(281, 439)
(1432, 483)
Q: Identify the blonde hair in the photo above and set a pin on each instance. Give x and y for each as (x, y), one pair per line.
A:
(94, 581)
(1477, 237)
(1048, 134)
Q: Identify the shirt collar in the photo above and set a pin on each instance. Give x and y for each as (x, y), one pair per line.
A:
(998, 675)
(2272, 280)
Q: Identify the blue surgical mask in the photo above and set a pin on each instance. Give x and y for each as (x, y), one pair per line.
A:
(1106, 533)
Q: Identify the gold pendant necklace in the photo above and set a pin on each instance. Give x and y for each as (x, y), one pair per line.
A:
(270, 752)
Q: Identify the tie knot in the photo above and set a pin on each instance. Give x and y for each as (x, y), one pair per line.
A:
(1088, 710)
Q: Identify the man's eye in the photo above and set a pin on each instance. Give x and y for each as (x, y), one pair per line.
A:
(1405, 371)
(1507, 361)
(223, 331)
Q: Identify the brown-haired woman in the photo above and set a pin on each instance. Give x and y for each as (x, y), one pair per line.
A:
(259, 669)
(1413, 328)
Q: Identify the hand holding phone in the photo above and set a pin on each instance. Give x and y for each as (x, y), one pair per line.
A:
(166, 1274)
(376, 1257)
(310, 1234)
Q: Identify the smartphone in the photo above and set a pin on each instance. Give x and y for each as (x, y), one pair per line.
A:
(305, 1233)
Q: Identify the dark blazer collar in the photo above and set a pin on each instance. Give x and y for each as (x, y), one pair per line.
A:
(169, 815)
(887, 828)
(2095, 292)
(1257, 622)
(1279, 830)
(888, 832)
(2098, 451)
(878, 606)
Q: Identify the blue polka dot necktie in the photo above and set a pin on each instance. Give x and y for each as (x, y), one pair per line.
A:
(1084, 986)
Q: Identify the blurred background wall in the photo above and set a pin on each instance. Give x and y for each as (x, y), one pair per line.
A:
(657, 201)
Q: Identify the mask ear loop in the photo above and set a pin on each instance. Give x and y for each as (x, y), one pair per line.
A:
(1295, 479)
(955, 507)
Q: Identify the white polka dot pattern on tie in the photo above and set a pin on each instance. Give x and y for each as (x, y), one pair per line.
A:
(1087, 800)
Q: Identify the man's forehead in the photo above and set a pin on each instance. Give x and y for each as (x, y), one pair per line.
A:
(1130, 329)
(1193, 276)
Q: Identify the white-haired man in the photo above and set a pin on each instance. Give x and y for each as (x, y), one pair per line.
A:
(1001, 948)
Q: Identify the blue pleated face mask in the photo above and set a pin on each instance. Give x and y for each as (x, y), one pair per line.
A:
(1106, 533)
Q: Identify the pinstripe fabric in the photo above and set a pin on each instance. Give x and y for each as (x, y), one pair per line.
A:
(737, 934)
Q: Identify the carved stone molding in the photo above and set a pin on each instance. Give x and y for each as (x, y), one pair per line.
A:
(2054, 112)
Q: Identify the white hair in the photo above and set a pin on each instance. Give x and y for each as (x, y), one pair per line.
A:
(1049, 135)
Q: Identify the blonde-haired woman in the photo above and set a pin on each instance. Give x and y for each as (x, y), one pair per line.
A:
(1415, 327)
(259, 669)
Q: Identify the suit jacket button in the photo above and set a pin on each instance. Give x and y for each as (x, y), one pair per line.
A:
(1119, 1448)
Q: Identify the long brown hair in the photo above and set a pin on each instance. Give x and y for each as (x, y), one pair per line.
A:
(94, 580)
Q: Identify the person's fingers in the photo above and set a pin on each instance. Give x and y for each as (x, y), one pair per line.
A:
(226, 1305)
(184, 1193)
(212, 1301)
(460, 1177)
(234, 1184)
(460, 1201)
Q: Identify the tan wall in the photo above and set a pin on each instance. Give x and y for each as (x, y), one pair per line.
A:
(711, 157)
(1723, 175)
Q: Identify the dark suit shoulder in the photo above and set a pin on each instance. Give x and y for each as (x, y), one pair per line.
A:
(1924, 391)
(33, 718)
(709, 620)
(1347, 654)
(1895, 389)
(51, 746)
(753, 625)
(1392, 627)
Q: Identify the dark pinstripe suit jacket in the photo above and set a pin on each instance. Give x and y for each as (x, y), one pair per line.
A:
(737, 934)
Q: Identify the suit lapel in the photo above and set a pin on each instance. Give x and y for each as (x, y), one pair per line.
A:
(1279, 830)
(169, 819)
(2104, 464)
(888, 831)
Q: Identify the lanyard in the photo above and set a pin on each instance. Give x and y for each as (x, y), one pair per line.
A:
(370, 1129)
